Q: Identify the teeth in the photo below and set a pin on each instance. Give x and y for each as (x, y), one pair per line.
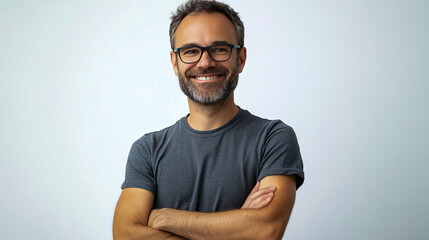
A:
(206, 78)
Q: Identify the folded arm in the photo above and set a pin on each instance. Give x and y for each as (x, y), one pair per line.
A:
(265, 223)
(131, 216)
(134, 205)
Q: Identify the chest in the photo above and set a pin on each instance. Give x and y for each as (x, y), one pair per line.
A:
(205, 174)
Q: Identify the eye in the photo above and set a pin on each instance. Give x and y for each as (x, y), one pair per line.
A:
(220, 49)
(190, 51)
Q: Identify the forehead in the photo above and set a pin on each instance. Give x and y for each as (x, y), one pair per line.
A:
(205, 28)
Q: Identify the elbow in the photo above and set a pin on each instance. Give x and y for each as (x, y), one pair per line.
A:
(124, 231)
(272, 228)
(272, 232)
(276, 233)
(266, 231)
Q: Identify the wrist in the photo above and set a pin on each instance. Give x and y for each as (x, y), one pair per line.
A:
(159, 218)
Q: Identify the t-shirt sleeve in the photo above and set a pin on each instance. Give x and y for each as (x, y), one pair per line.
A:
(281, 155)
(139, 171)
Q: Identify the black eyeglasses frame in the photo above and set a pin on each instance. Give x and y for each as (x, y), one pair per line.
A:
(232, 46)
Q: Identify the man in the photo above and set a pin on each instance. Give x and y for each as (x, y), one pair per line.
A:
(220, 172)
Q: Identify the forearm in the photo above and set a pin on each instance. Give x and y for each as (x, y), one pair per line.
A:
(140, 232)
(235, 224)
(266, 223)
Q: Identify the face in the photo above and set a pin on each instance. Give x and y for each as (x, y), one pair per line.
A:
(207, 81)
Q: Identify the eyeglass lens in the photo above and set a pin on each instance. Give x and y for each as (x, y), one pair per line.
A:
(216, 52)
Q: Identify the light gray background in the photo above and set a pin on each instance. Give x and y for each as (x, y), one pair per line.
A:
(81, 80)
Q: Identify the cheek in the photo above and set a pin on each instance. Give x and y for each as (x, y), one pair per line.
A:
(182, 69)
(231, 68)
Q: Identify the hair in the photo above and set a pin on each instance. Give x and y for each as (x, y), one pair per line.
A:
(197, 6)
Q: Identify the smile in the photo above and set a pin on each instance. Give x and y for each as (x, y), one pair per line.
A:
(205, 78)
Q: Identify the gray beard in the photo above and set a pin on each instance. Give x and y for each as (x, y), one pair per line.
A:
(206, 95)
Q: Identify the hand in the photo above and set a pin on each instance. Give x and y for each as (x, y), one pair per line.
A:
(158, 218)
(151, 222)
(259, 198)
(155, 221)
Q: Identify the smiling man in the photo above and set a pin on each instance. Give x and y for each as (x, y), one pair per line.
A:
(219, 172)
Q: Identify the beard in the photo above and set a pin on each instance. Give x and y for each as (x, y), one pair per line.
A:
(209, 93)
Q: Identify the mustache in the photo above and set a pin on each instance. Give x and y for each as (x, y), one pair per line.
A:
(217, 71)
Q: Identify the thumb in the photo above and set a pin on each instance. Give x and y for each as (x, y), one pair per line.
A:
(256, 188)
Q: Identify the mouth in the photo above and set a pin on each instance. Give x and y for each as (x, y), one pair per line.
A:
(208, 77)
(211, 75)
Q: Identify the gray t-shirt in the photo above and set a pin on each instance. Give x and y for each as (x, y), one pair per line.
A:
(210, 171)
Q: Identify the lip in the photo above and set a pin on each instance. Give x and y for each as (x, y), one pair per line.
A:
(217, 77)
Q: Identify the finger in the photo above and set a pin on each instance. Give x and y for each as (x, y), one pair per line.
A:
(255, 189)
(262, 201)
(246, 204)
(265, 202)
(263, 192)
(270, 189)
(249, 198)
(255, 194)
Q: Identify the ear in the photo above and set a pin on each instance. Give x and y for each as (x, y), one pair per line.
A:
(242, 59)
(173, 60)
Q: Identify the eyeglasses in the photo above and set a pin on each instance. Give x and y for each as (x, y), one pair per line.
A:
(219, 52)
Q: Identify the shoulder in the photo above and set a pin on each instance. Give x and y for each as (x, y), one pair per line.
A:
(267, 126)
(156, 137)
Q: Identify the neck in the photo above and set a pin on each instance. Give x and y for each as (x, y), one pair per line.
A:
(209, 117)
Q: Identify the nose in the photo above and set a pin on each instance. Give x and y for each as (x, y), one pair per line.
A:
(206, 61)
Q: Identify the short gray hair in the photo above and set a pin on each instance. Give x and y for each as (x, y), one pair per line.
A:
(197, 6)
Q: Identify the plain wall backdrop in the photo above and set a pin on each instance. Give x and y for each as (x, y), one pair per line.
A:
(80, 81)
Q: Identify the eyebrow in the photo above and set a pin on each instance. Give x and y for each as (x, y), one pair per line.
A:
(196, 45)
